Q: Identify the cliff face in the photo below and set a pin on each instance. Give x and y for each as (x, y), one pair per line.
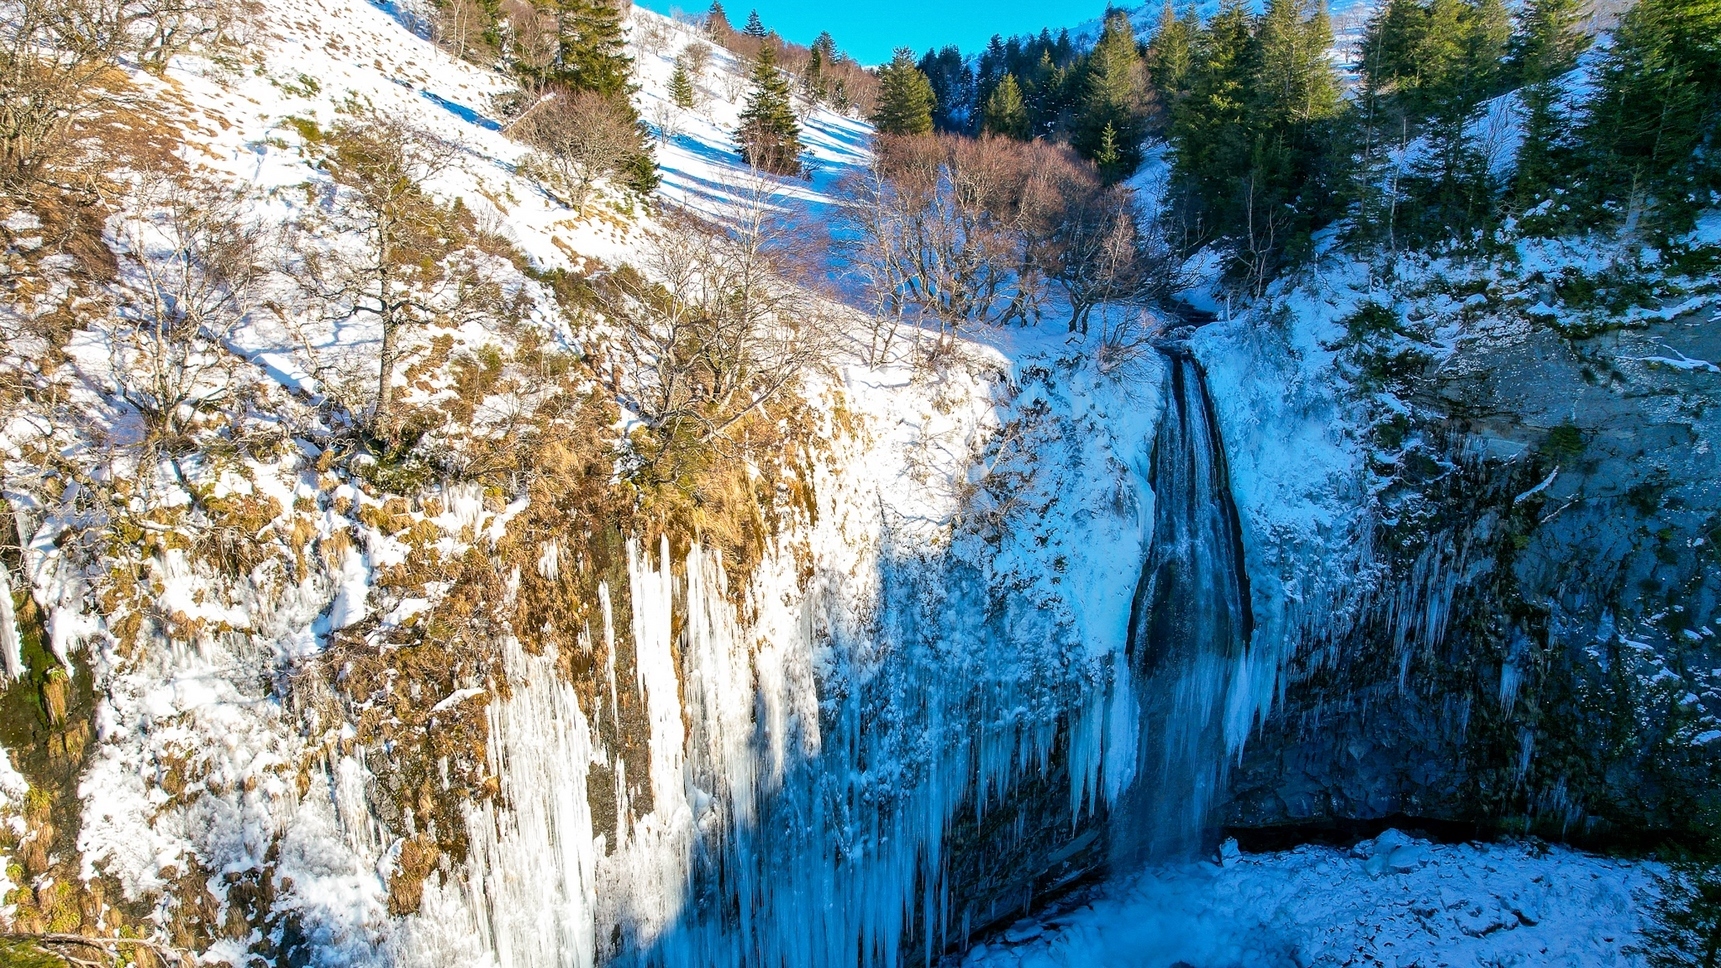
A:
(1533, 645)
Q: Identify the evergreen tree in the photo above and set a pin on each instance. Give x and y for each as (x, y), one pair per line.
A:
(1170, 57)
(591, 53)
(1654, 123)
(1547, 42)
(755, 27)
(1545, 47)
(1487, 31)
(769, 138)
(905, 98)
(952, 83)
(819, 58)
(1108, 156)
(1293, 102)
(1116, 96)
(717, 21)
(1005, 114)
(681, 86)
(1208, 134)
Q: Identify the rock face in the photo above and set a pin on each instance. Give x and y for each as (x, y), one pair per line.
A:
(1544, 652)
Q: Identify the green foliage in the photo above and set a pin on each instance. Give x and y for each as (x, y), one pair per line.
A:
(1006, 114)
(1369, 321)
(1115, 100)
(1171, 55)
(1652, 129)
(591, 51)
(755, 27)
(1257, 158)
(1564, 443)
(905, 98)
(681, 86)
(1684, 924)
(769, 137)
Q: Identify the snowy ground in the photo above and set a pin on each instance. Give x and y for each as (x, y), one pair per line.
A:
(1393, 902)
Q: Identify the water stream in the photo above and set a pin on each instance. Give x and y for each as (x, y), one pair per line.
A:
(1189, 630)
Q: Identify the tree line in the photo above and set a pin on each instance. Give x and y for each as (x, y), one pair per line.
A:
(1268, 142)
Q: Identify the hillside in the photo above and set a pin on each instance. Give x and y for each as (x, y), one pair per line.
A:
(429, 552)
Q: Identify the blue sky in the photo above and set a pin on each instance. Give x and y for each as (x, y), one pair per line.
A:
(870, 29)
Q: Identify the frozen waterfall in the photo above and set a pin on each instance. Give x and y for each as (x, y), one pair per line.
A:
(1189, 632)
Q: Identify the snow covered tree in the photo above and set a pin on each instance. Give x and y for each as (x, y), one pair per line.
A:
(1005, 113)
(905, 98)
(755, 27)
(769, 137)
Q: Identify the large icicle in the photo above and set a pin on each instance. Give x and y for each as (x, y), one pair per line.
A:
(11, 647)
(531, 873)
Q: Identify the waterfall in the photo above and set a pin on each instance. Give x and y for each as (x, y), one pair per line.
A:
(1189, 632)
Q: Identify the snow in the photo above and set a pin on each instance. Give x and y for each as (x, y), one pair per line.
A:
(977, 544)
(1395, 900)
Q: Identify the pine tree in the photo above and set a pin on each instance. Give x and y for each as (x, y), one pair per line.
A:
(769, 138)
(1545, 47)
(591, 51)
(1655, 124)
(1005, 113)
(681, 86)
(1170, 56)
(819, 59)
(905, 98)
(1208, 135)
(1487, 31)
(755, 27)
(1116, 96)
(1108, 157)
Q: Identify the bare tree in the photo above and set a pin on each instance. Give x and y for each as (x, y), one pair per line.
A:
(409, 268)
(697, 56)
(457, 24)
(164, 28)
(709, 330)
(949, 232)
(579, 137)
(1103, 251)
(56, 57)
(190, 268)
(531, 37)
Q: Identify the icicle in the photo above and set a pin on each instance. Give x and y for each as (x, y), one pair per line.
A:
(11, 646)
(529, 884)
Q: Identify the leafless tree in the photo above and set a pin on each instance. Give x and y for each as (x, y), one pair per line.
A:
(164, 28)
(409, 268)
(1104, 251)
(56, 64)
(531, 37)
(697, 56)
(579, 137)
(710, 330)
(458, 24)
(190, 269)
(949, 232)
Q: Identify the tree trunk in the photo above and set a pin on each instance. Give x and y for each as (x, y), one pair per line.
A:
(384, 419)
